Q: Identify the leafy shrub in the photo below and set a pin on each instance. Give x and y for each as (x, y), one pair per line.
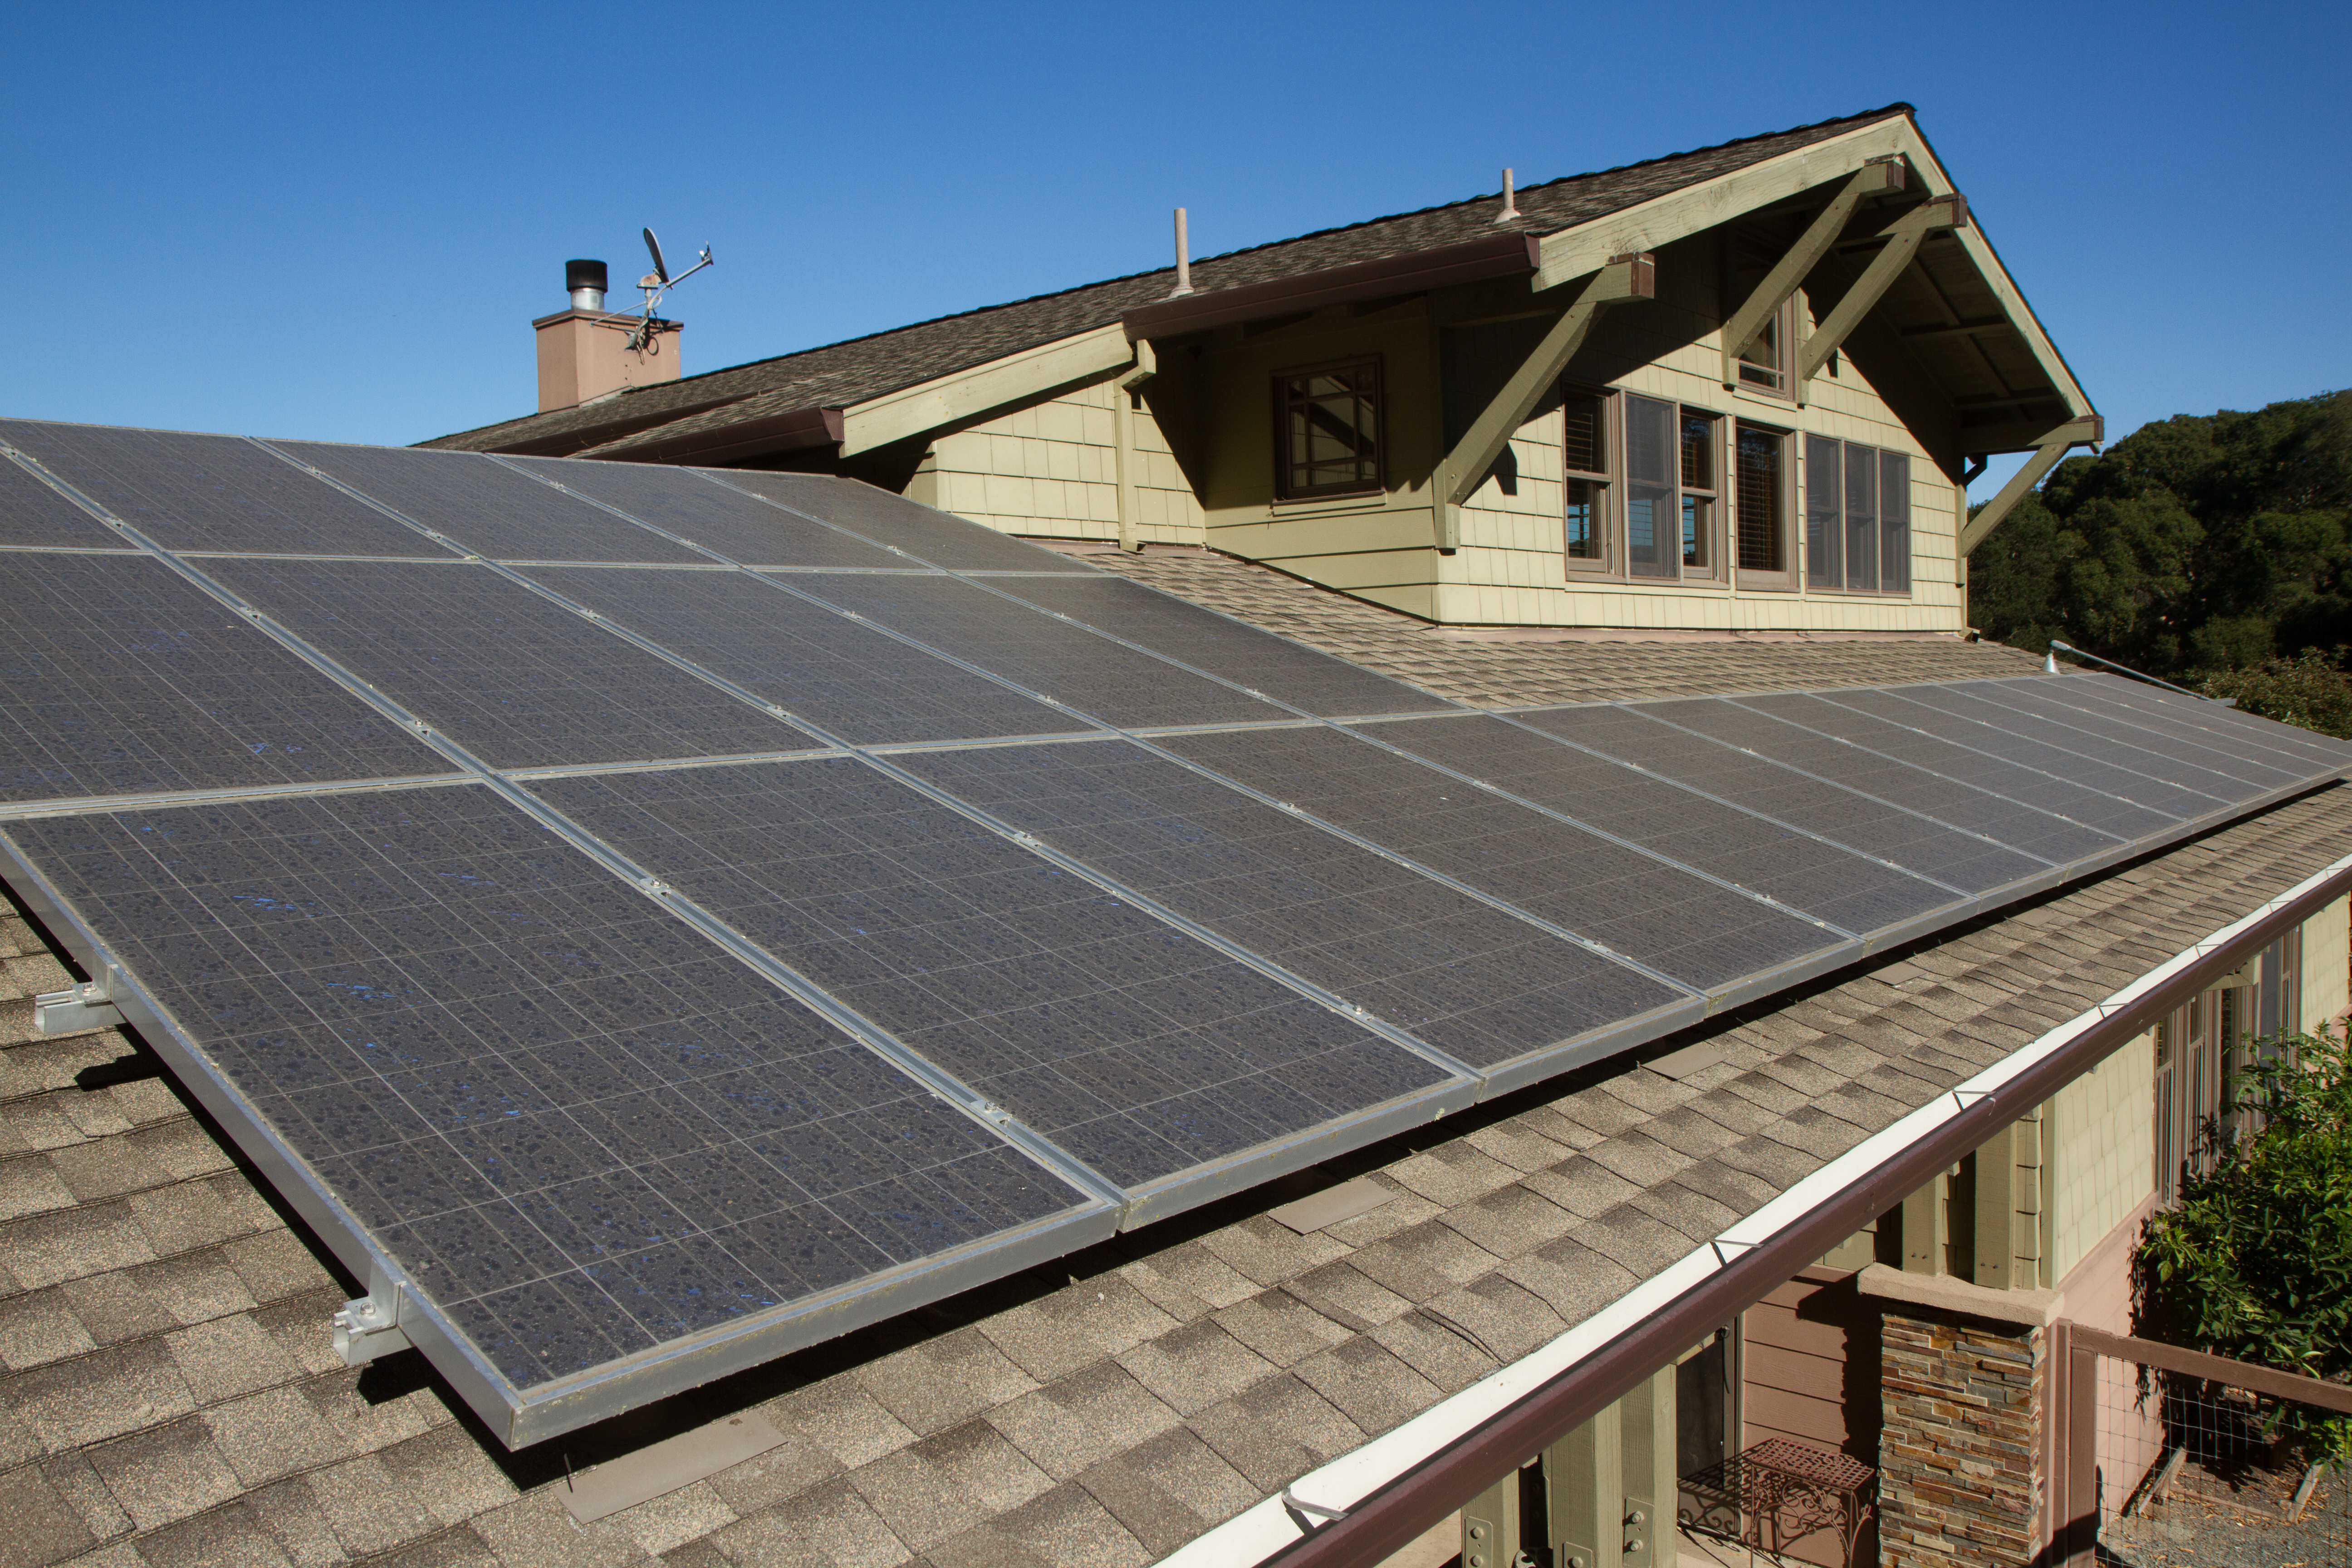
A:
(2255, 1262)
(2311, 691)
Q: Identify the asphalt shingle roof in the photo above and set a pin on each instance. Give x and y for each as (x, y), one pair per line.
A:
(840, 375)
(168, 1395)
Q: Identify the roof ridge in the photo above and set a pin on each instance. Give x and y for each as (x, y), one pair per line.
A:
(1897, 107)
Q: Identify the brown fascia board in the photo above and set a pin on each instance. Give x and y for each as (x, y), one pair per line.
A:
(1390, 1519)
(789, 431)
(577, 437)
(1471, 261)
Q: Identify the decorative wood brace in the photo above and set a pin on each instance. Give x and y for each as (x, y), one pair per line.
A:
(1462, 470)
(2088, 431)
(1788, 275)
(1903, 238)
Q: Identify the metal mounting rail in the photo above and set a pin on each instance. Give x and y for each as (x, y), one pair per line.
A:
(2049, 667)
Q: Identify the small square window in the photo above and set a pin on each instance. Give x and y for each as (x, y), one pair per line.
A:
(1329, 430)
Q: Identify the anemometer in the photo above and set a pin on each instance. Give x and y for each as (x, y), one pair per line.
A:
(646, 338)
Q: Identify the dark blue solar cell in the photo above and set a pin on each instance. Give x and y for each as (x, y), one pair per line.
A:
(211, 492)
(1700, 933)
(520, 679)
(1138, 1049)
(581, 1129)
(116, 677)
(930, 535)
(1475, 982)
(486, 507)
(856, 682)
(742, 528)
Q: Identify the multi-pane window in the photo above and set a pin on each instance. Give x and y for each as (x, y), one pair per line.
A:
(1585, 458)
(1671, 489)
(1651, 523)
(1767, 361)
(1701, 490)
(1328, 429)
(1857, 517)
(1760, 506)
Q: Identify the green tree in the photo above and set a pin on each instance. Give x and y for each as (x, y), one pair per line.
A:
(2255, 1262)
(2196, 544)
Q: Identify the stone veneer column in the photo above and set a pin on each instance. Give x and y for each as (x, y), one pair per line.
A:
(1964, 1383)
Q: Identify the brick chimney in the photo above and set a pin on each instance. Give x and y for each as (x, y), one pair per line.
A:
(584, 352)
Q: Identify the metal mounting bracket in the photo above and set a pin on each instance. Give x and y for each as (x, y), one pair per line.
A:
(89, 1006)
(370, 1327)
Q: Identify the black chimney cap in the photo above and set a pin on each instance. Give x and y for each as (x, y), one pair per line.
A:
(584, 274)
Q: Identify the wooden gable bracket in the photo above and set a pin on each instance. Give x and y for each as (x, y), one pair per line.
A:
(1122, 413)
(1458, 475)
(1903, 238)
(1788, 275)
(2088, 431)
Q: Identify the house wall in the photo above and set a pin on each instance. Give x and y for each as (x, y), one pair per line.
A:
(1810, 1372)
(2099, 1147)
(1053, 469)
(2326, 941)
(1510, 569)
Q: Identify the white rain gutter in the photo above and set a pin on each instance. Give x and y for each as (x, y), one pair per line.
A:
(1330, 1491)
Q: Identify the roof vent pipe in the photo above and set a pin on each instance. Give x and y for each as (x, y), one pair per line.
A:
(586, 281)
(1510, 201)
(1184, 257)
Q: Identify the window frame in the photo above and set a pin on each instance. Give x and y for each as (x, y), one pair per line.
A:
(1710, 569)
(1280, 383)
(1603, 480)
(1829, 523)
(1748, 248)
(1787, 577)
(1612, 506)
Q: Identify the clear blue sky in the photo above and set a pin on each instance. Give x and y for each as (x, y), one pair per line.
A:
(337, 221)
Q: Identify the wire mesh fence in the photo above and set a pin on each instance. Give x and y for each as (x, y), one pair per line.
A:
(2184, 1459)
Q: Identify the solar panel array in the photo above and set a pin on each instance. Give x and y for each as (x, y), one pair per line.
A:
(650, 920)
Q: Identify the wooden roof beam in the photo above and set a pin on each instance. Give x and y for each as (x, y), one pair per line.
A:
(1788, 275)
(2074, 433)
(1462, 470)
(1903, 238)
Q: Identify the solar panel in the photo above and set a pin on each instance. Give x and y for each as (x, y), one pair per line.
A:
(739, 527)
(2135, 752)
(33, 513)
(2022, 827)
(487, 508)
(2010, 781)
(1848, 890)
(582, 1133)
(2183, 742)
(1897, 706)
(211, 492)
(796, 947)
(1478, 983)
(1088, 673)
(810, 660)
(1177, 629)
(1959, 860)
(522, 681)
(1143, 1052)
(2230, 725)
(898, 523)
(118, 678)
(1695, 932)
